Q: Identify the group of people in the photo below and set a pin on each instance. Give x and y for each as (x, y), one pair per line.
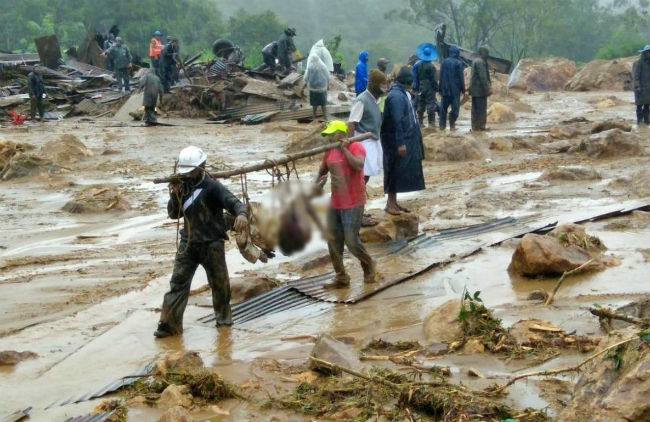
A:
(277, 54)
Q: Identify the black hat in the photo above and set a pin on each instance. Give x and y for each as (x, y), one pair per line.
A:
(404, 76)
(290, 32)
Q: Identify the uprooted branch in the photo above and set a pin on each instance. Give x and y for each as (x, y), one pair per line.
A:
(564, 275)
(609, 314)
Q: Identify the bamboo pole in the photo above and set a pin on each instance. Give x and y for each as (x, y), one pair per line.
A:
(267, 164)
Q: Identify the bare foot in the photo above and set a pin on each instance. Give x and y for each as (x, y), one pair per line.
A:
(392, 211)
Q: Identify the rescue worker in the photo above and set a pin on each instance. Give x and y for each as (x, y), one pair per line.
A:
(121, 57)
(480, 87)
(361, 73)
(270, 55)
(441, 45)
(155, 51)
(345, 164)
(452, 85)
(108, 43)
(641, 76)
(200, 201)
(427, 85)
(152, 90)
(169, 62)
(36, 90)
(317, 80)
(382, 65)
(286, 47)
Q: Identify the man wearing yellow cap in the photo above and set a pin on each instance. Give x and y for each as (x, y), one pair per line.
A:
(345, 164)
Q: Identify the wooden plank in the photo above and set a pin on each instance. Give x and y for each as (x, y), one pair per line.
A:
(49, 50)
(12, 100)
(131, 105)
(262, 89)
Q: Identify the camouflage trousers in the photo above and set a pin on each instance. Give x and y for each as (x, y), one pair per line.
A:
(213, 259)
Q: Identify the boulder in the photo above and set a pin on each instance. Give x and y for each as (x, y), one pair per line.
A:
(500, 113)
(454, 148)
(175, 396)
(394, 227)
(97, 199)
(11, 357)
(623, 125)
(442, 325)
(538, 255)
(542, 74)
(176, 414)
(611, 75)
(570, 173)
(605, 104)
(179, 361)
(568, 131)
(331, 350)
(610, 143)
(501, 144)
(556, 147)
(613, 388)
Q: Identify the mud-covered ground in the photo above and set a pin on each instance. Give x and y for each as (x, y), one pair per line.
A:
(83, 290)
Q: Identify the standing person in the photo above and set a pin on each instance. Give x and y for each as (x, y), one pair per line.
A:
(317, 80)
(155, 51)
(361, 73)
(365, 116)
(286, 47)
(382, 65)
(480, 87)
(168, 62)
(270, 55)
(641, 72)
(36, 89)
(441, 45)
(200, 201)
(427, 84)
(401, 141)
(452, 85)
(345, 164)
(121, 57)
(153, 92)
(108, 43)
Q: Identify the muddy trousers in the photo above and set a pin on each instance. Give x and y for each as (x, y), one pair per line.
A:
(122, 76)
(149, 114)
(643, 113)
(344, 226)
(479, 113)
(213, 259)
(445, 103)
(427, 101)
(155, 65)
(36, 103)
(167, 75)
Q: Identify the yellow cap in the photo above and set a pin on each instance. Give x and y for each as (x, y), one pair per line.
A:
(335, 126)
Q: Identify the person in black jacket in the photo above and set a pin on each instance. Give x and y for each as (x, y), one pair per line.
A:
(452, 84)
(36, 89)
(200, 201)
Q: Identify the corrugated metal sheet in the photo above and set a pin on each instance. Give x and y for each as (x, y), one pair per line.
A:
(109, 388)
(219, 68)
(92, 417)
(17, 416)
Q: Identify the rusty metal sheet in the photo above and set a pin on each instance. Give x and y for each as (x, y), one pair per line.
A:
(17, 416)
(92, 417)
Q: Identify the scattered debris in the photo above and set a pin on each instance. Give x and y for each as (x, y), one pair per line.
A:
(570, 173)
(615, 75)
(549, 74)
(329, 349)
(117, 407)
(97, 199)
(11, 357)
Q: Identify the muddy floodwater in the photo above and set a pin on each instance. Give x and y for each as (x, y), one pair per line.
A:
(83, 290)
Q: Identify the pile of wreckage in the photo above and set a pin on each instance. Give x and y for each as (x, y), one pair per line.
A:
(217, 90)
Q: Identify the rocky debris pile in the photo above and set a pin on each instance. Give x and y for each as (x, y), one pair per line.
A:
(548, 74)
(393, 227)
(454, 148)
(563, 249)
(97, 199)
(18, 160)
(500, 113)
(11, 357)
(66, 150)
(612, 75)
(571, 173)
(611, 143)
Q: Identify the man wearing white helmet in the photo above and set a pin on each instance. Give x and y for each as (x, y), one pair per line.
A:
(200, 200)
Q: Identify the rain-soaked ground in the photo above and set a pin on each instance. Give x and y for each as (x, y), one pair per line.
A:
(83, 290)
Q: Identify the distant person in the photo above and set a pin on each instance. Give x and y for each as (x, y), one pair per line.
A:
(286, 47)
(168, 63)
(480, 87)
(427, 83)
(122, 60)
(270, 55)
(382, 65)
(155, 51)
(365, 116)
(452, 85)
(108, 43)
(401, 141)
(441, 45)
(361, 73)
(641, 71)
(345, 164)
(152, 90)
(317, 78)
(36, 90)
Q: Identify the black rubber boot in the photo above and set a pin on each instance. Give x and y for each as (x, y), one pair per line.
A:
(162, 330)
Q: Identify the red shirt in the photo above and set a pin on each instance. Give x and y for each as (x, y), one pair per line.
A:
(348, 186)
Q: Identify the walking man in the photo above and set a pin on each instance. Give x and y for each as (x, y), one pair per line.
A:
(317, 80)
(641, 72)
(36, 89)
(120, 55)
(426, 83)
(480, 87)
(452, 85)
(155, 51)
(200, 201)
(345, 164)
(152, 90)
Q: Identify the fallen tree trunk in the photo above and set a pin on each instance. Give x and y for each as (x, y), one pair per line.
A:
(609, 314)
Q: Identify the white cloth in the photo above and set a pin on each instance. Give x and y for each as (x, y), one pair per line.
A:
(323, 53)
(356, 112)
(317, 77)
(374, 163)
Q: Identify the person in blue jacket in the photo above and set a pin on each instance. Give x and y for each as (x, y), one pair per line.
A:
(361, 73)
(452, 84)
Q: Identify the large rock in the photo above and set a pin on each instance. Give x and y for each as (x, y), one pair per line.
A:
(546, 255)
(611, 75)
(575, 234)
(544, 74)
(394, 227)
(176, 414)
(500, 113)
(175, 396)
(570, 173)
(331, 350)
(180, 361)
(606, 392)
(611, 143)
(11, 357)
(66, 150)
(442, 325)
(454, 148)
(623, 125)
(97, 199)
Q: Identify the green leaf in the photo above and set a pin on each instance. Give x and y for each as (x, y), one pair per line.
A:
(462, 315)
(597, 305)
(644, 335)
(476, 296)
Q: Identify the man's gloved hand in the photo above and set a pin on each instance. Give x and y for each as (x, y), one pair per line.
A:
(241, 223)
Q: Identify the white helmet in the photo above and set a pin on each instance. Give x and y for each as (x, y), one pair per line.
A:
(190, 158)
